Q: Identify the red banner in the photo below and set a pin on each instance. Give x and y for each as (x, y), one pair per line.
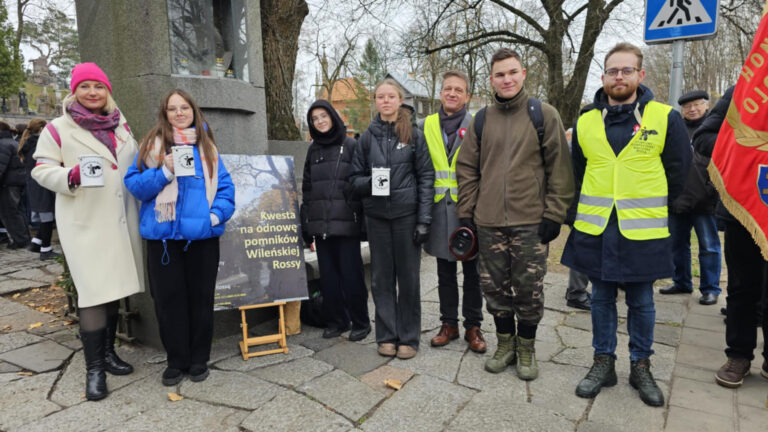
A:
(739, 167)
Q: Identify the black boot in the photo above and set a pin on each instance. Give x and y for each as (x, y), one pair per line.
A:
(602, 374)
(640, 377)
(113, 364)
(95, 378)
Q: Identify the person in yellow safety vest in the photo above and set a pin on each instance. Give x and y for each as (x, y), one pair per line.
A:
(444, 132)
(630, 159)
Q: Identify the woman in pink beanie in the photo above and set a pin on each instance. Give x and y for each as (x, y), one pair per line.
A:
(97, 220)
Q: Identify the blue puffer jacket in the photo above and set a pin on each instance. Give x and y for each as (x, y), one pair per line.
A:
(193, 220)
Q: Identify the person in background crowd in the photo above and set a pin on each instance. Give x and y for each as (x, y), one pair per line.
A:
(514, 191)
(576, 295)
(444, 132)
(630, 158)
(695, 209)
(41, 200)
(182, 218)
(13, 179)
(747, 299)
(98, 226)
(18, 131)
(334, 223)
(393, 174)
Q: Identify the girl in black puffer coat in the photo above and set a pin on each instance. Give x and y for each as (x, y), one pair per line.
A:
(393, 173)
(41, 200)
(334, 223)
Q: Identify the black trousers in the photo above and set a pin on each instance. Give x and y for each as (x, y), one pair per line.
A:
(395, 263)
(448, 291)
(12, 214)
(747, 285)
(342, 282)
(183, 292)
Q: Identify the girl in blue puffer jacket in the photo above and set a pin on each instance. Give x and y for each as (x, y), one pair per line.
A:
(181, 218)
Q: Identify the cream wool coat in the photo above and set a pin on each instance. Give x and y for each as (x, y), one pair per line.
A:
(98, 227)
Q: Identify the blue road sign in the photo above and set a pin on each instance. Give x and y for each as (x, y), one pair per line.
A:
(668, 20)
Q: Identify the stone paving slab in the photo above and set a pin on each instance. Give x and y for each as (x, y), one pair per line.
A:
(334, 390)
(225, 348)
(40, 275)
(67, 337)
(12, 341)
(14, 285)
(70, 389)
(427, 403)
(7, 368)
(24, 400)
(705, 338)
(753, 393)
(238, 364)
(694, 373)
(574, 338)
(709, 322)
(305, 415)
(705, 397)
(118, 407)
(579, 320)
(554, 390)
(293, 374)
(621, 405)
(232, 389)
(353, 358)
(666, 334)
(185, 415)
(22, 319)
(40, 357)
(701, 357)
(375, 378)
(8, 307)
(499, 410)
(752, 419)
(439, 362)
(686, 420)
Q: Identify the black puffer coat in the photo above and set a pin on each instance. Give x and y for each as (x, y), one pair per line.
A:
(325, 211)
(699, 195)
(12, 171)
(41, 200)
(412, 176)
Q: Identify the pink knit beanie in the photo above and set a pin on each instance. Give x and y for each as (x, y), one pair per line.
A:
(88, 72)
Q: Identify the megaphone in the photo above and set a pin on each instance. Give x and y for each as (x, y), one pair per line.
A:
(463, 244)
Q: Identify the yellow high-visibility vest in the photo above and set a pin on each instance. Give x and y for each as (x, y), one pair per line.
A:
(634, 181)
(445, 175)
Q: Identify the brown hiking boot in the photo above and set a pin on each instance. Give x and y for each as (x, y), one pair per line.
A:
(474, 336)
(732, 373)
(447, 333)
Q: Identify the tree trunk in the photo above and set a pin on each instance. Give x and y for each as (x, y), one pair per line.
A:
(280, 27)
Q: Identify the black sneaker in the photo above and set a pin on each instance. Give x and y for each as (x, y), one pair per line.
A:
(332, 332)
(48, 255)
(359, 334)
(198, 373)
(34, 247)
(172, 376)
(641, 378)
(583, 304)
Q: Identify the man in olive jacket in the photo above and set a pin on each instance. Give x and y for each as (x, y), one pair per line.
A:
(514, 192)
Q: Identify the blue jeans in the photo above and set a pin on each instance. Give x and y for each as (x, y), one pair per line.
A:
(641, 317)
(680, 226)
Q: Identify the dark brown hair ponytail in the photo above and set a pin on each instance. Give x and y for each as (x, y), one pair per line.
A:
(403, 127)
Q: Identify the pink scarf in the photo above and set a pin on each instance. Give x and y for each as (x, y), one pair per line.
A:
(101, 126)
(165, 202)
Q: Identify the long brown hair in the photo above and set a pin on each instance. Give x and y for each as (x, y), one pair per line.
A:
(164, 131)
(403, 127)
(34, 127)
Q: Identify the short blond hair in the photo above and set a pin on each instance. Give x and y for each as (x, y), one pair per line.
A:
(625, 47)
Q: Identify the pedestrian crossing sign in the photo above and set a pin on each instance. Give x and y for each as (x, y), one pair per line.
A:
(668, 20)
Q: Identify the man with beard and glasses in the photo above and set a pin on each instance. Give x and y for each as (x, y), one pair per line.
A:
(630, 158)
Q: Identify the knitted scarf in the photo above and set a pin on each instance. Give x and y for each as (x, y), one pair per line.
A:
(165, 202)
(101, 126)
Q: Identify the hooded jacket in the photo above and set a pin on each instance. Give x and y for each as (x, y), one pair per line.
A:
(41, 200)
(699, 195)
(12, 172)
(325, 211)
(411, 174)
(610, 256)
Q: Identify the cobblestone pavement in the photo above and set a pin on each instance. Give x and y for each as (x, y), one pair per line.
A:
(337, 385)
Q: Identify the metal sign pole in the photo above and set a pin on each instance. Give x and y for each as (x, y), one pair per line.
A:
(676, 74)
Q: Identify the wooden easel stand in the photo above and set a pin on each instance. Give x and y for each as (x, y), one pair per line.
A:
(278, 338)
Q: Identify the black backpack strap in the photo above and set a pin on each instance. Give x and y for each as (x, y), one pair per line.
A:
(537, 118)
(479, 123)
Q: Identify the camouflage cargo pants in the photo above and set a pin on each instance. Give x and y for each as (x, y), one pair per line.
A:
(512, 263)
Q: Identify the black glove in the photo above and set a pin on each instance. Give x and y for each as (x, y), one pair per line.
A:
(469, 223)
(548, 230)
(420, 233)
(308, 239)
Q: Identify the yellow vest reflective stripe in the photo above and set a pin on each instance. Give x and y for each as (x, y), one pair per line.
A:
(634, 181)
(445, 175)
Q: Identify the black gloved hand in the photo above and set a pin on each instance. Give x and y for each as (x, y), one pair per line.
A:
(469, 223)
(420, 233)
(308, 239)
(548, 230)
